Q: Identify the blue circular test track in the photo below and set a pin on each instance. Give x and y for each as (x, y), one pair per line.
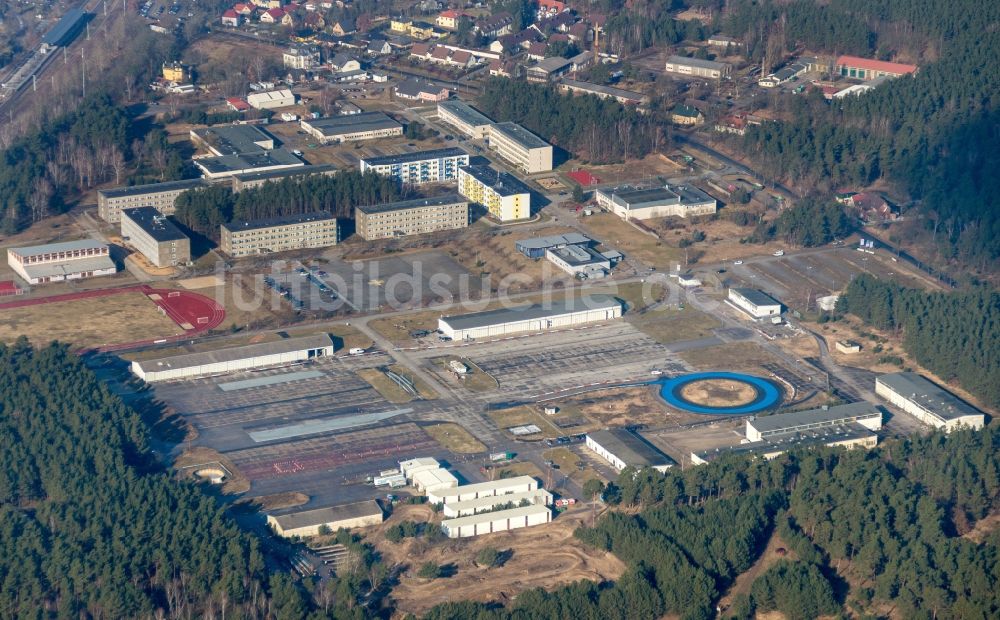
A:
(767, 394)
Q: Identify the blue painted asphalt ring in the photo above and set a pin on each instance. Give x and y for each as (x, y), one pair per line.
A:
(768, 394)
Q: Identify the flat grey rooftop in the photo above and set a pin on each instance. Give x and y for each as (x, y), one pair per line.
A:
(351, 123)
(534, 311)
(922, 391)
(791, 441)
(284, 220)
(811, 417)
(152, 188)
(249, 161)
(543, 243)
(611, 91)
(502, 183)
(405, 158)
(293, 172)
(630, 448)
(62, 246)
(236, 139)
(330, 514)
(756, 297)
(519, 135)
(696, 62)
(277, 347)
(466, 113)
(154, 224)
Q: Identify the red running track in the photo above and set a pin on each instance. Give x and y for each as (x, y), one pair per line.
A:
(182, 307)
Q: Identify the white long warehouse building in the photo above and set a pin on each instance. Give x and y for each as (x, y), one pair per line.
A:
(518, 484)
(927, 402)
(501, 521)
(234, 359)
(533, 318)
(486, 504)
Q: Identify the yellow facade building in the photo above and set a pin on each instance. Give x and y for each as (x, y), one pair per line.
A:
(503, 195)
(176, 72)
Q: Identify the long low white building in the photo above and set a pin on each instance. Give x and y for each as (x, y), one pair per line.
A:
(518, 484)
(927, 402)
(234, 359)
(630, 203)
(865, 414)
(755, 303)
(486, 504)
(533, 318)
(624, 449)
(500, 521)
(410, 467)
(56, 262)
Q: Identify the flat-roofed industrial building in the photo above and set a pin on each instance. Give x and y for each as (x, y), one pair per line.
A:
(411, 466)
(500, 521)
(537, 246)
(56, 262)
(531, 318)
(624, 97)
(160, 196)
(234, 359)
(623, 449)
(432, 166)
(256, 179)
(306, 523)
(155, 237)
(579, 261)
(468, 507)
(521, 147)
(225, 166)
(851, 435)
(280, 234)
(232, 139)
(764, 427)
(503, 195)
(755, 303)
(352, 127)
(645, 203)
(697, 67)
(411, 217)
(517, 484)
(928, 402)
(465, 118)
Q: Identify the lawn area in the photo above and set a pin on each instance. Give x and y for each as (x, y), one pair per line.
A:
(637, 295)
(571, 465)
(397, 328)
(668, 324)
(522, 468)
(616, 232)
(392, 391)
(455, 438)
(523, 415)
(476, 380)
(125, 317)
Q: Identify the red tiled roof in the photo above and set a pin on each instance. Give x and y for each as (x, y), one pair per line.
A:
(230, 13)
(461, 56)
(875, 65)
(419, 49)
(450, 13)
(276, 13)
(440, 53)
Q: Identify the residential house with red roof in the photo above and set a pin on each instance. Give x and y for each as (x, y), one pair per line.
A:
(231, 18)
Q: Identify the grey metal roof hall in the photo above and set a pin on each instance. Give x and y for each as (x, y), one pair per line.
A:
(530, 312)
(696, 62)
(329, 514)
(544, 243)
(66, 28)
(927, 394)
(756, 297)
(352, 123)
(502, 183)
(191, 360)
(630, 448)
(814, 417)
(62, 246)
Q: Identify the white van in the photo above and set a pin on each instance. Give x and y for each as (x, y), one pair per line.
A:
(357, 351)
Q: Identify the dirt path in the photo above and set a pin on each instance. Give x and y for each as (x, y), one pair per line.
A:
(544, 556)
(742, 584)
